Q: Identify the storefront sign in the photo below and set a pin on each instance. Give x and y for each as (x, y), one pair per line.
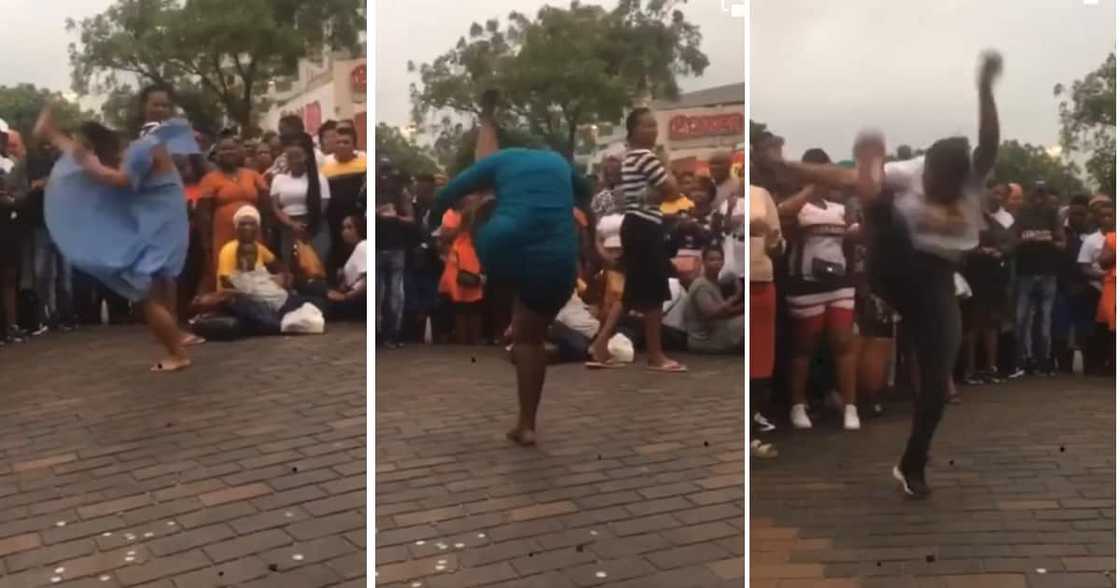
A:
(358, 83)
(683, 127)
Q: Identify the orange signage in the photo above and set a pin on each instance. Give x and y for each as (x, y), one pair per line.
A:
(683, 127)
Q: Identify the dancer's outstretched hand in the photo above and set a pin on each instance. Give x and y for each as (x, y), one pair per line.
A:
(991, 66)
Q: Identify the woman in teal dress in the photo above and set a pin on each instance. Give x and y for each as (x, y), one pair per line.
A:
(120, 216)
(528, 243)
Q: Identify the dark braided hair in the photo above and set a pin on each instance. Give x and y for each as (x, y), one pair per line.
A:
(314, 189)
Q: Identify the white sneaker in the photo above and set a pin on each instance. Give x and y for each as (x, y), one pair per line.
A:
(851, 418)
(798, 417)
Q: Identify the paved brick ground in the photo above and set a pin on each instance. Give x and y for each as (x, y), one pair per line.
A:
(1024, 496)
(219, 476)
(637, 481)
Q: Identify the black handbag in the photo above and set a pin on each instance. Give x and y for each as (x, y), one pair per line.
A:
(468, 279)
(828, 272)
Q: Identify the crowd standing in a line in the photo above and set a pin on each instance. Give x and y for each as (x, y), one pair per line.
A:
(247, 195)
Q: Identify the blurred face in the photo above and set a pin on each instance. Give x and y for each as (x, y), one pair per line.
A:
(350, 232)
(229, 153)
(344, 148)
(297, 160)
(327, 141)
(247, 229)
(645, 133)
(713, 263)
(1106, 219)
(703, 202)
(720, 166)
(612, 172)
(275, 146)
(264, 156)
(157, 107)
(1014, 202)
(687, 183)
(1079, 217)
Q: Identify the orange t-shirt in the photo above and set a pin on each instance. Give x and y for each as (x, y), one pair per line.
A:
(1106, 309)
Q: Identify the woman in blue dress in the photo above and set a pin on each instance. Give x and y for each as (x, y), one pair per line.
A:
(527, 242)
(120, 216)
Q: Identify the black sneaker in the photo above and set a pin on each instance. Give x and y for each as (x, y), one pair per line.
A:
(1016, 373)
(912, 484)
(991, 377)
(16, 335)
(974, 380)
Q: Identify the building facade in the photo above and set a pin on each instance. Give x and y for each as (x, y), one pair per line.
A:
(332, 88)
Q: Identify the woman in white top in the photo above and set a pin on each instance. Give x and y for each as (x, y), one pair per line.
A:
(348, 302)
(294, 193)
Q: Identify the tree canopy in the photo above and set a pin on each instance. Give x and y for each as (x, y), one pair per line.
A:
(1025, 164)
(565, 68)
(405, 153)
(20, 106)
(224, 53)
(1088, 117)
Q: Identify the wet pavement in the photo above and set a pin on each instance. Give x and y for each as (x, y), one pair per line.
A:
(246, 470)
(637, 480)
(1023, 479)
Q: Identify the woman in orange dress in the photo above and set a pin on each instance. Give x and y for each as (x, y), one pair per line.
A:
(221, 193)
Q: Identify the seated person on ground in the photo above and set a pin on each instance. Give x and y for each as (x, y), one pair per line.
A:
(715, 324)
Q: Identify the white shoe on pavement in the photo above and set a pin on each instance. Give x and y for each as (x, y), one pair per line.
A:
(798, 417)
(851, 418)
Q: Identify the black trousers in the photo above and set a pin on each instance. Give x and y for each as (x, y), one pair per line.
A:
(920, 287)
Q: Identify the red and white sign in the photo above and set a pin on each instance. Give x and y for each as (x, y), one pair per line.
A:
(312, 115)
(358, 81)
(684, 127)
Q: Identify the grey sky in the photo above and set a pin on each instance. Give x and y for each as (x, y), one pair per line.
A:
(423, 30)
(823, 69)
(34, 40)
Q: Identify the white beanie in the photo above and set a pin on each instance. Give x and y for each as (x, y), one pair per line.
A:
(249, 211)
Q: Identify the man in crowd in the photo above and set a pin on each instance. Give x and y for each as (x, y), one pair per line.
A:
(727, 185)
(1039, 254)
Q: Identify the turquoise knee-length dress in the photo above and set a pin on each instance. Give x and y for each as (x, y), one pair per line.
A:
(124, 237)
(530, 241)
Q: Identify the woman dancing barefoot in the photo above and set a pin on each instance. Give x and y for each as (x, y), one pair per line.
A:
(119, 216)
(526, 240)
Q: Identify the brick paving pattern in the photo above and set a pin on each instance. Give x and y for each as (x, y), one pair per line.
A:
(247, 470)
(1023, 477)
(637, 481)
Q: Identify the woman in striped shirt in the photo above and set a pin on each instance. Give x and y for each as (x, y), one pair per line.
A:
(645, 255)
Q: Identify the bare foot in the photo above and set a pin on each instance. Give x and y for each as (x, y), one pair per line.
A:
(522, 437)
(172, 364)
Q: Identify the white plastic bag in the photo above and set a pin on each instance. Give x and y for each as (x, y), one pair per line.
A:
(305, 320)
(621, 348)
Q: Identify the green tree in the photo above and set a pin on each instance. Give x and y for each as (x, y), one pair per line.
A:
(564, 69)
(227, 50)
(20, 106)
(405, 154)
(1025, 164)
(1088, 116)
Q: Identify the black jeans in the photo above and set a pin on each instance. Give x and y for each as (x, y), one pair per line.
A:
(920, 287)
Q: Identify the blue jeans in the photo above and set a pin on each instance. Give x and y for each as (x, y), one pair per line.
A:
(52, 279)
(390, 294)
(1034, 295)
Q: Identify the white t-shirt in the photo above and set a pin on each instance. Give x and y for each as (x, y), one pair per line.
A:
(905, 178)
(6, 165)
(821, 237)
(290, 193)
(355, 269)
(1090, 253)
(1003, 217)
(576, 316)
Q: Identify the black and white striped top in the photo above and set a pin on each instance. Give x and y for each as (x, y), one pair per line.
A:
(641, 172)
